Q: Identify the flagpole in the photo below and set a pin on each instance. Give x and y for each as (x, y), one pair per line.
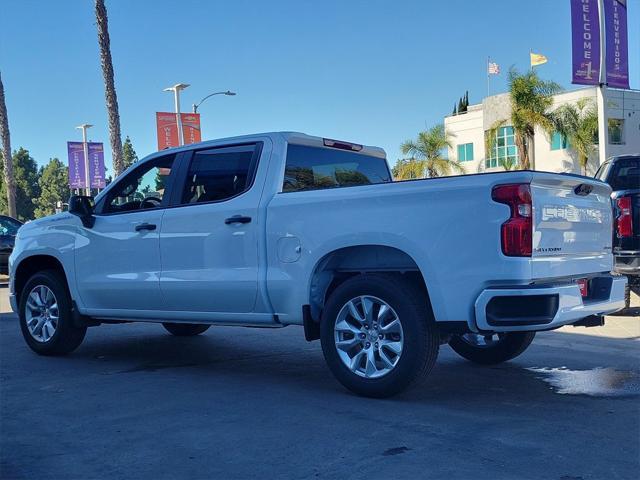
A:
(488, 76)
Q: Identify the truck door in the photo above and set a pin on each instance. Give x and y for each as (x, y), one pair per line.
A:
(209, 240)
(118, 260)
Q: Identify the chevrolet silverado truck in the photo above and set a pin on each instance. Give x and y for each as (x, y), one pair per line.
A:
(622, 173)
(280, 229)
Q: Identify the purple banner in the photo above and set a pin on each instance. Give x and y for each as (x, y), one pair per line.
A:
(76, 165)
(96, 165)
(585, 33)
(615, 16)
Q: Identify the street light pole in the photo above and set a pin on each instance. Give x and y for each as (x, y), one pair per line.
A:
(196, 105)
(176, 94)
(601, 91)
(85, 147)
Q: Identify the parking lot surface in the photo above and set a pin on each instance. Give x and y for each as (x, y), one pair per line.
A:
(135, 402)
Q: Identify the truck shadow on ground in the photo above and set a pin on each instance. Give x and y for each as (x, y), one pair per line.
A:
(281, 359)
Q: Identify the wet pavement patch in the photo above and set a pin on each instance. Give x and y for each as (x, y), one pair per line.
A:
(597, 382)
(155, 368)
(395, 451)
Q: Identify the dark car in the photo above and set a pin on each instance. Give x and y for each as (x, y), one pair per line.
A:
(8, 230)
(623, 174)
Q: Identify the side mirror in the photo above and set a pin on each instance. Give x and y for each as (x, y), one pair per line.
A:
(82, 206)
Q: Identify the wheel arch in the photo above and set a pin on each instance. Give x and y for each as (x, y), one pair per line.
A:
(342, 263)
(30, 265)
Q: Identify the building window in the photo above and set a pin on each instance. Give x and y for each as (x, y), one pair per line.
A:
(558, 141)
(465, 152)
(504, 148)
(616, 131)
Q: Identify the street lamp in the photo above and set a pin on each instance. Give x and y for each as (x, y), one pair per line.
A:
(176, 94)
(85, 148)
(228, 92)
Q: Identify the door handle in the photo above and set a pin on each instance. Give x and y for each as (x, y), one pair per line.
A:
(237, 219)
(145, 226)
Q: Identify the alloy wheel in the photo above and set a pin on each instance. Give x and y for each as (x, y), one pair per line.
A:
(368, 336)
(41, 313)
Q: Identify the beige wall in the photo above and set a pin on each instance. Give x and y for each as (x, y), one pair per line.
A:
(470, 127)
(467, 128)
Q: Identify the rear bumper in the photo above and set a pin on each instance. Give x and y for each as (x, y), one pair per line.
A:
(547, 307)
(627, 262)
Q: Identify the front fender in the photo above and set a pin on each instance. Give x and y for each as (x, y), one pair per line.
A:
(53, 237)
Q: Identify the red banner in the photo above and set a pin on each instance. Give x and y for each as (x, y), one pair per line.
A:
(191, 128)
(167, 129)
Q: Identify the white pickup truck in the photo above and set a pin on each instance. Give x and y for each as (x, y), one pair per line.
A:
(282, 229)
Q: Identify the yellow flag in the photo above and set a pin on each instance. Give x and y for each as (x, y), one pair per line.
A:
(537, 59)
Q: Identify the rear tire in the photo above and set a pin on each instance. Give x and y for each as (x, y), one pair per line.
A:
(185, 329)
(507, 347)
(45, 315)
(375, 370)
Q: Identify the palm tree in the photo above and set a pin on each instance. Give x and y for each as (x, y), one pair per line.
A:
(579, 125)
(531, 98)
(109, 88)
(408, 169)
(509, 164)
(426, 155)
(6, 149)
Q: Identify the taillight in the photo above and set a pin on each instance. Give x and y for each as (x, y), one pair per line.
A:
(624, 221)
(517, 232)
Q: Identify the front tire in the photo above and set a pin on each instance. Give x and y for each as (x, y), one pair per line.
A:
(185, 329)
(491, 349)
(45, 314)
(378, 335)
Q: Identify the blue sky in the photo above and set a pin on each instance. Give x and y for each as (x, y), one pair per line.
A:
(373, 72)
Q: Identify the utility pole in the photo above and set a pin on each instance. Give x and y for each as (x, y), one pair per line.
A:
(85, 146)
(601, 95)
(176, 95)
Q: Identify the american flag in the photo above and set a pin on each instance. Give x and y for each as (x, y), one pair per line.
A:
(494, 68)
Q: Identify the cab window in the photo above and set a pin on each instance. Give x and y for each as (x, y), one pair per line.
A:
(313, 168)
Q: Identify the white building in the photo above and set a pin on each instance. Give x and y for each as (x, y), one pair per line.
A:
(552, 154)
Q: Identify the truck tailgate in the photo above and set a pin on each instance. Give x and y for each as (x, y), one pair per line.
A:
(572, 226)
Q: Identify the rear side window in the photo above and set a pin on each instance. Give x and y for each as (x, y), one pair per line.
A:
(625, 174)
(312, 168)
(219, 174)
(9, 226)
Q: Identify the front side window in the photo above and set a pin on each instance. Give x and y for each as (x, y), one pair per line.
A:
(504, 148)
(616, 131)
(143, 188)
(465, 152)
(218, 174)
(312, 168)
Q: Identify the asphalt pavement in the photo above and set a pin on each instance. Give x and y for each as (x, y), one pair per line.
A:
(135, 402)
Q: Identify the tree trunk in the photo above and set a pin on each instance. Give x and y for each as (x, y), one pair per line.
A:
(531, 149)
(8, 160)
(522, 151)
(109, 88)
